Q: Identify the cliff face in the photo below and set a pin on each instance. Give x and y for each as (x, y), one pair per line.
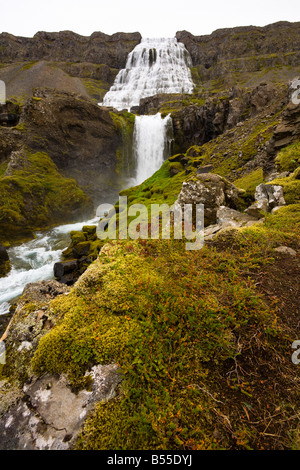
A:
(248, 41)
(66, 46)
(78, 135)
(244, 54)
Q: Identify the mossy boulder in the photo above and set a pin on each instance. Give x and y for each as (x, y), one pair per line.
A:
(174, 168)
(82, 251)
(290, 186)
(212, 191)
(5, 266)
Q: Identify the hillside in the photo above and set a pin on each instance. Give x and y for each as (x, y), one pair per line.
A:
(150, 345)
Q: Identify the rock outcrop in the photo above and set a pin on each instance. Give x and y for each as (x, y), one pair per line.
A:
(78, 135)
(4, 261)
(44, 413)
(48, 414)
(212, 191)
(84, 248)
(228, 219)
(198, 124)
(286, 132)
(63, 134)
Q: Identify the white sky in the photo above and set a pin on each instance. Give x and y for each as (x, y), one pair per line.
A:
(154, 18)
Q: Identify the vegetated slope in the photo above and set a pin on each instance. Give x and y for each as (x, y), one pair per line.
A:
(63, 61)
(203, 339)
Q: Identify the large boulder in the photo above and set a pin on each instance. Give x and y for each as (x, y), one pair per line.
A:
(211, 190)
(228, 219)
(44, 412)
(48, 414)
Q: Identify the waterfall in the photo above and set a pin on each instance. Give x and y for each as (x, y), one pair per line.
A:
(154, 66)
(152, 137)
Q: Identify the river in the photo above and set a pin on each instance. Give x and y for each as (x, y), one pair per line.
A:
(34, 260)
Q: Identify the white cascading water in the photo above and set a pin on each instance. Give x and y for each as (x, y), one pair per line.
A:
(152, 138)
(154, 66)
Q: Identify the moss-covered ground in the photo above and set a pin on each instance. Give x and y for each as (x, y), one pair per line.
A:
(205, 353)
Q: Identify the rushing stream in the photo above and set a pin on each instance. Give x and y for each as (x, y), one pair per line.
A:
(154, 66)
(34, 261)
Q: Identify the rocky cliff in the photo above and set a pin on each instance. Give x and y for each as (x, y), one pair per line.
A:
(66, 46)
(243, 42)
(63, 134)
(244, 53)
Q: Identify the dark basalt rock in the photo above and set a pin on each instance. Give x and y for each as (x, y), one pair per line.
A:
(83, 249)
(286, 133)
(4, 261)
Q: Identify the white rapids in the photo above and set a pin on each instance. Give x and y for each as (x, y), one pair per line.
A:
(34, 261)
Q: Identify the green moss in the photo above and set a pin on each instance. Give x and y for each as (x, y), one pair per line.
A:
(28, 66)
(250, 181)
(5, 267)
(163, 315)
(162, 187)
(288, 159)
(3, 167)
(84, 242)
(124, 123)
(175, 167)
(36, 196)
(21, 127)
(232, 150)
(95, 88)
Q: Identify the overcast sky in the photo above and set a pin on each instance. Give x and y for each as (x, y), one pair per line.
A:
(154, 18)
